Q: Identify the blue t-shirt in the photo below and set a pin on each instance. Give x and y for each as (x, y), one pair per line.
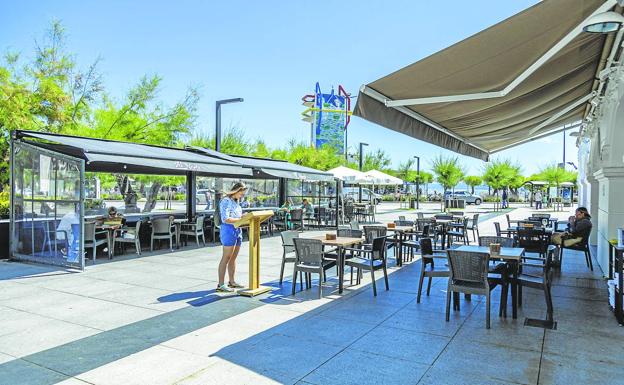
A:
(229, 208)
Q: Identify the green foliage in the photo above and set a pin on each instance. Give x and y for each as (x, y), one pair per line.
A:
(499, 174)
(4, 203)
(377, 160)
(447, 170)
(555, 175)
(473, 181)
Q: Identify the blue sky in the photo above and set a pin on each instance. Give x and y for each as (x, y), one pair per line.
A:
(271, 54)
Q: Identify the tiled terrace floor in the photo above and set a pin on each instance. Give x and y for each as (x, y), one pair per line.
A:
(157, 320)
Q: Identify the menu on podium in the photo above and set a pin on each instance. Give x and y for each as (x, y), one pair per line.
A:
(253, 220)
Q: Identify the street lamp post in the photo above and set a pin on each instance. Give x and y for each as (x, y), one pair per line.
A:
(417, 181)
(218, 119)
(361, 166)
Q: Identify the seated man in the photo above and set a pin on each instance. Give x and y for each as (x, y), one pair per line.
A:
(579, 227)
(308, 209)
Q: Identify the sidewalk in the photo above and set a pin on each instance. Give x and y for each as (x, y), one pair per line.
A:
(156, 320)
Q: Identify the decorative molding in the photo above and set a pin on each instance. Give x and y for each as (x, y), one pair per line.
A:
(609, 173)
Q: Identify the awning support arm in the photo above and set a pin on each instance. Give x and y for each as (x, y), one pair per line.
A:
(608, 4)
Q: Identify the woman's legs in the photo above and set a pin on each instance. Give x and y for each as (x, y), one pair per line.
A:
(228, 251)
(231, 265)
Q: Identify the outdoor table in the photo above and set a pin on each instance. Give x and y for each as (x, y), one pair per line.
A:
(445, 224)
(178, 222)
(110, 234)
(340, 243)
(400, 232)
(510, 255)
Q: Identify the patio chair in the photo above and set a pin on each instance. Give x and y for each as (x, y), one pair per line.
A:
(402, 218)
(354, 224)
(371, 259)
(368, 213)
(540, 281)
(90, 237)
(473, 225)
(54, 240)
(332, 253)
(511, 222)
(281, 221)
(296, 219)
(533, 241)
(127, 235)
(349, 212)
(420, 215)
(459, 231)
(428, 267)
(309, 260)
(469, 275)
(195, 229)
(163, 228)
(581, 246)
(288, 254)
(500, 233)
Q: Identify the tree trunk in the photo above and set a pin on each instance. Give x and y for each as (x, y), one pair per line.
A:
(129, 195)
(151, 197)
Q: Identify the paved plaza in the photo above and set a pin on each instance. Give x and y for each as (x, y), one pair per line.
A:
(156, 319)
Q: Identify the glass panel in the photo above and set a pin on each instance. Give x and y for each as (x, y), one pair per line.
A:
(47, 218)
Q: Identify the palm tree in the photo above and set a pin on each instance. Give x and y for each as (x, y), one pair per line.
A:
(473, 181)
(555, 175)
(448, 172)
(499, 174)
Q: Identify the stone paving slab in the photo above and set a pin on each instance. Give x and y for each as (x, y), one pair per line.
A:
(156, 319)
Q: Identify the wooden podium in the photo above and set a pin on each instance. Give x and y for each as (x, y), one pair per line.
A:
(253, 219)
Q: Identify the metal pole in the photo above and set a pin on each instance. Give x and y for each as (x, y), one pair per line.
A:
(218, 126)
(564, 135)
(361, 166)
(218, 104)
(417, 182)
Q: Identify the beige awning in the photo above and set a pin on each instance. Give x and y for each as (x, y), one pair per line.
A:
(554, 94)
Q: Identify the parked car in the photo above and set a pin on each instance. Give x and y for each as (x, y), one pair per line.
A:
(367, 194)
(465, 195)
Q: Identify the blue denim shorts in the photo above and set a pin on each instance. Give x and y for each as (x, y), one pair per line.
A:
(230, 236)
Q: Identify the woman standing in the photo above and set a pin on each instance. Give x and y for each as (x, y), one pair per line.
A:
(231, 237)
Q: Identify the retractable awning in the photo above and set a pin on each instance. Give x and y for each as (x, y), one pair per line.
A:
(522, 78)
(123, 157)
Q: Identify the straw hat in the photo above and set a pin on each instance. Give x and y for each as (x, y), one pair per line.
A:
(236, 187)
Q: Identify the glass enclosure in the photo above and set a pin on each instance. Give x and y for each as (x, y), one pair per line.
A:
(46, 210)
(132, 193)
(260, 193)
(319, 194)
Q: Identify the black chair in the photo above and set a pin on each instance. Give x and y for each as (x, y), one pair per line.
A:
(296, 219)
(428, 267)
(581, 246)
(533, 241)
(371, 259)
(469, 275)
(309, 260)
(459, 231)
(500, 233)
(473, 225)
(540, 281)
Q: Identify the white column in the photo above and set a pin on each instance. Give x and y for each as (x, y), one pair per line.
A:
(608, 166)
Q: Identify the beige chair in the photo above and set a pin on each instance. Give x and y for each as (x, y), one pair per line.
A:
(163, 228)
(129, 235)
(194, 229)
(90, 240)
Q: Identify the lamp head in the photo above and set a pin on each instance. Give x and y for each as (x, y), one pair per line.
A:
(605, 22)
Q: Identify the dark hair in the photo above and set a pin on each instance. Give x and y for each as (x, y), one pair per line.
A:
(584, 211)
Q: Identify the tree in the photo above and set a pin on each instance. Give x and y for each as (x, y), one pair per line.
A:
(377, 160)
(448, 171)
(405, 171)
(47, 94)
(473, 181)
(499, 174)
(425, 179)
(555, 175)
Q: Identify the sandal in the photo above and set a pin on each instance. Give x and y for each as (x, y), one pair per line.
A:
(235, 285)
